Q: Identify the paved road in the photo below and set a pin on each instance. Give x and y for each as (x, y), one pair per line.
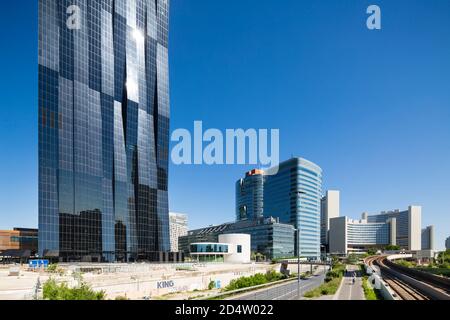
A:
(286, 291)
(348, 290)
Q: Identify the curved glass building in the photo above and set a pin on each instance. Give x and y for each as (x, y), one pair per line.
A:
(292, 193)
(103, 129)
(349, 235)
(250, 196)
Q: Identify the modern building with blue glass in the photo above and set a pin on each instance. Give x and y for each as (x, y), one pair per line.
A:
(250, 196)
(269, 237)
(292, 193)
(428, 238)
(103, 129)
(408, 226)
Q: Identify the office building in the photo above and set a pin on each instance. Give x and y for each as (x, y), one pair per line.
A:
(292, 193)
(428, 238)
(399, 228)
(103, 130)
(330, 208)
(269, 237)
(19, 239)
(353, 236)
(408, 226)
(230, 248)
(447, 243)
(250, 196)
(178, 227)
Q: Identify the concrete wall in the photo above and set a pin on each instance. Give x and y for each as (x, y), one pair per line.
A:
(138, 288)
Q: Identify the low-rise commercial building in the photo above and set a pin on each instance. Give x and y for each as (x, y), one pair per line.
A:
(268, 237)
(230, 248)
(19, 239)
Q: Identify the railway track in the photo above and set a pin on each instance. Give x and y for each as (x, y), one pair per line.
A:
(406, 287)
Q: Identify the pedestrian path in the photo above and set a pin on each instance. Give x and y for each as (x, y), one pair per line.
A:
(348, 289)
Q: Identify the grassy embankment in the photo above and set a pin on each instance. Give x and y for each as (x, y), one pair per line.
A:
(332, 281)
(437, 268)
(369, 292)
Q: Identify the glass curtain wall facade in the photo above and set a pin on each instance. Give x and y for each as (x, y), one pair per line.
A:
(402, 227)
(103, 129)
(268, 237)
(366, 234)
(292, 193)
(249, 196)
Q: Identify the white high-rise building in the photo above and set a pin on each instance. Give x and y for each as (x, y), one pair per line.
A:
(330, 208)
(400, 228)
(178, 224)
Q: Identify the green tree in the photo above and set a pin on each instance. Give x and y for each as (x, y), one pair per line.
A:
(352, 258)
(391, 248)
(55, 291)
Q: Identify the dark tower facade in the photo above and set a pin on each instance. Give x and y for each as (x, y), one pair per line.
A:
(103, 129)
(250, 196)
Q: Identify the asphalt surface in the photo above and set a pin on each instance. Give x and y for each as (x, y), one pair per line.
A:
(349, 290)
(288, 291)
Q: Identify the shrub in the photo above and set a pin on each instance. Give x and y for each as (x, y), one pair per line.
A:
(211, 285)
(331, 284)
(122, 298)
(369, 292)
(392, 248)
(255, 280)
(54, 291)
(405, 263)
(52, 267)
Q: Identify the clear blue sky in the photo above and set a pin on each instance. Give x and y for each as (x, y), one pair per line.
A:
(372, 108)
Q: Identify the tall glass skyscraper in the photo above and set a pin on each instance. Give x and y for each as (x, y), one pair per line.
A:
(250, 196)
(292, 193)
(103, 129)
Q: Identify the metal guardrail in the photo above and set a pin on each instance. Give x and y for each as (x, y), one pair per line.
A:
(243, 290)
(302, 262)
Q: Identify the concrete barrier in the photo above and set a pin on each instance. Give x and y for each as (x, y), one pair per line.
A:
(377, 282)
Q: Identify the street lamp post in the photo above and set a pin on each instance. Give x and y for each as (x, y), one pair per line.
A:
(299, 194)
(298, 263)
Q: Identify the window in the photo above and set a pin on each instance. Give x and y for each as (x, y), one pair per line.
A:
(239, 249)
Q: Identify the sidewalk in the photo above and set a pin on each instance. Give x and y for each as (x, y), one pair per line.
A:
(349, 291)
